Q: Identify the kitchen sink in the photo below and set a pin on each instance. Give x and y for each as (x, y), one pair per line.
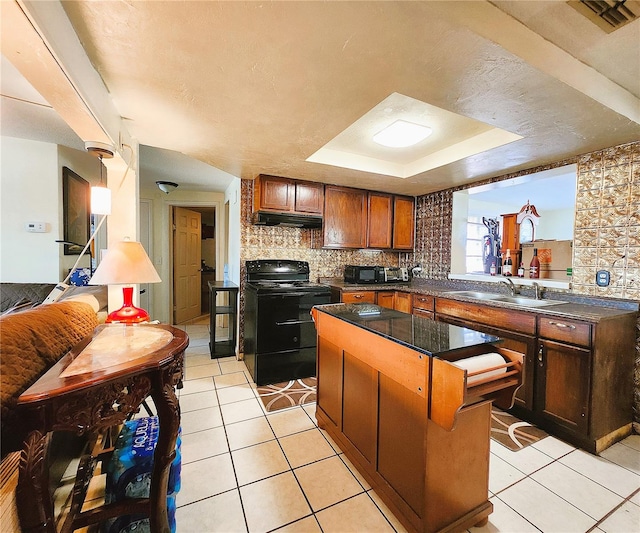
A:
(527, 302)
(476, 295)
(517, 300)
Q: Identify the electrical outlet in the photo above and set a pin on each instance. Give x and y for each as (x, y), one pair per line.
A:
(603, 278)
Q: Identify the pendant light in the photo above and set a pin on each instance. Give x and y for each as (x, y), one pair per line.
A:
(100, 194)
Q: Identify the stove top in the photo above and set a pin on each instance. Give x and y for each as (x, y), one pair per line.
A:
(287, 286)
(281, 275)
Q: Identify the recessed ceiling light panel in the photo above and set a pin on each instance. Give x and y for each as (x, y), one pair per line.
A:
(401, 134)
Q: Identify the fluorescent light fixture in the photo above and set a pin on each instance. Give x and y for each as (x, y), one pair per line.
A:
(401, 134)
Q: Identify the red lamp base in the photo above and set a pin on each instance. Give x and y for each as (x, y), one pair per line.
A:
(128, 313)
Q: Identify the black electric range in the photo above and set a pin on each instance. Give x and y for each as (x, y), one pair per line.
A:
(279, 334)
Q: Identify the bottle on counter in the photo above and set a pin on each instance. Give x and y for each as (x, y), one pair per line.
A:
(534, 267)
(521, 270)
(492, 270)
(507, 268)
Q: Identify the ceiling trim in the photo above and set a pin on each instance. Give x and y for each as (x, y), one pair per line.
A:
(39, 40)
(494, 24)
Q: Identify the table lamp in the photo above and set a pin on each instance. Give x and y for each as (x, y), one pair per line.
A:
(126, 263)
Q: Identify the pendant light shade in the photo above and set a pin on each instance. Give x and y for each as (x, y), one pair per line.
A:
(100, 200)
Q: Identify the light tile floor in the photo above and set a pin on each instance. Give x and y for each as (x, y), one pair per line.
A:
(246, 470)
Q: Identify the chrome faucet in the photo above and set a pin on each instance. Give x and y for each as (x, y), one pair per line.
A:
(538, 290)
(513, 290)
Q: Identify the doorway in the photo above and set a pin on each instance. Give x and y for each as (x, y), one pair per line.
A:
(194, 262)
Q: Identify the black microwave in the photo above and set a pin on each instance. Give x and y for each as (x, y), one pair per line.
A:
(361, 274)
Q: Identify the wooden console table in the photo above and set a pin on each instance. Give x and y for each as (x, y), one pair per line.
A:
(96, 386)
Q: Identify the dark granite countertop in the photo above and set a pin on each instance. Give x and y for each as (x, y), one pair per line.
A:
(421, 334)
(579, 307)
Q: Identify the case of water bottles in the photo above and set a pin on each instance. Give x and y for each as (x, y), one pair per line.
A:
(129, 474)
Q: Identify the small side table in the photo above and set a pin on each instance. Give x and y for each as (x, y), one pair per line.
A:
(96, 386)
(226, 347)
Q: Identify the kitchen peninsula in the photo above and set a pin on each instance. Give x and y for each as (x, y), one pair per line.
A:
(394, 393)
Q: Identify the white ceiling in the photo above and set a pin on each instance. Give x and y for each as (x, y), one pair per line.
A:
(258, 87)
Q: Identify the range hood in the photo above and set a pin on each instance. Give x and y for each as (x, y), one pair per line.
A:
(284, 219)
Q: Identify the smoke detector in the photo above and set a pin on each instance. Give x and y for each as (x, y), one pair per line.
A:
(102, 150)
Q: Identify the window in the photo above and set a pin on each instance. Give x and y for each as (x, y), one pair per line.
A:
(475, 239)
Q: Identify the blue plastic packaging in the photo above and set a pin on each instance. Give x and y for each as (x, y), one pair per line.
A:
(129, 473)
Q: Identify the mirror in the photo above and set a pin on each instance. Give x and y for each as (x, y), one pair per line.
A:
(552, 192)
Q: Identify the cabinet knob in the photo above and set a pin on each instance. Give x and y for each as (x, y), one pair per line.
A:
(358, 296)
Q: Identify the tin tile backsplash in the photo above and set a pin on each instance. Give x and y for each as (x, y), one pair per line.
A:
(606, 235)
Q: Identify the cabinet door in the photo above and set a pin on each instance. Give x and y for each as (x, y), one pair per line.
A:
(360, 405)
(309, 198)
(273, 194)
(404, 222)
(510, 233)
(402, 302)
(345, 217)
(329, 361)
(385, 299)
(380, 220)
(358, 297)
(563, 382)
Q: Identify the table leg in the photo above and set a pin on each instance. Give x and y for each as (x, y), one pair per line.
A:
(33, 499)
(168, 409)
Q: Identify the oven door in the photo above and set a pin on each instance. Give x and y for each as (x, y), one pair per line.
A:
(284, 320)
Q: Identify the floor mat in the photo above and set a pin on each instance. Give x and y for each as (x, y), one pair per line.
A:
(513, 432)
(288, 394)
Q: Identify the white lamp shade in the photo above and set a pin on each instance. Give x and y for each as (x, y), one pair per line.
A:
(125, 263)
(100, 201)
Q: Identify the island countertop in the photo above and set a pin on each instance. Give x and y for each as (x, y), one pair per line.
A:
(421, 334)
(408, 400)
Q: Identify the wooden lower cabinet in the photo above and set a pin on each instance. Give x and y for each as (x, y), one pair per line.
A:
(432, 479)
(360, 406)
(402, 302)
(576, 373)
(563, 384)
(385, 299)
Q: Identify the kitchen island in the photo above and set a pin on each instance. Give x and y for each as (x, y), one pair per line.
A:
(394, 394)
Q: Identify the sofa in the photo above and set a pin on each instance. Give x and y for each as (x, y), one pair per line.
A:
(31, 341)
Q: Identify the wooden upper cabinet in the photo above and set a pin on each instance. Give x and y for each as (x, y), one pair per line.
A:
(404, 222)
(345, 217)
(309, 197)
(284, 195)
(380, 225)
(271, 193)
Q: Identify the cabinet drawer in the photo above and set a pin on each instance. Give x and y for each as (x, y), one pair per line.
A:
(359, 297)
(517, 321)
(422, 302)
(421, 312)
(561, 329)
